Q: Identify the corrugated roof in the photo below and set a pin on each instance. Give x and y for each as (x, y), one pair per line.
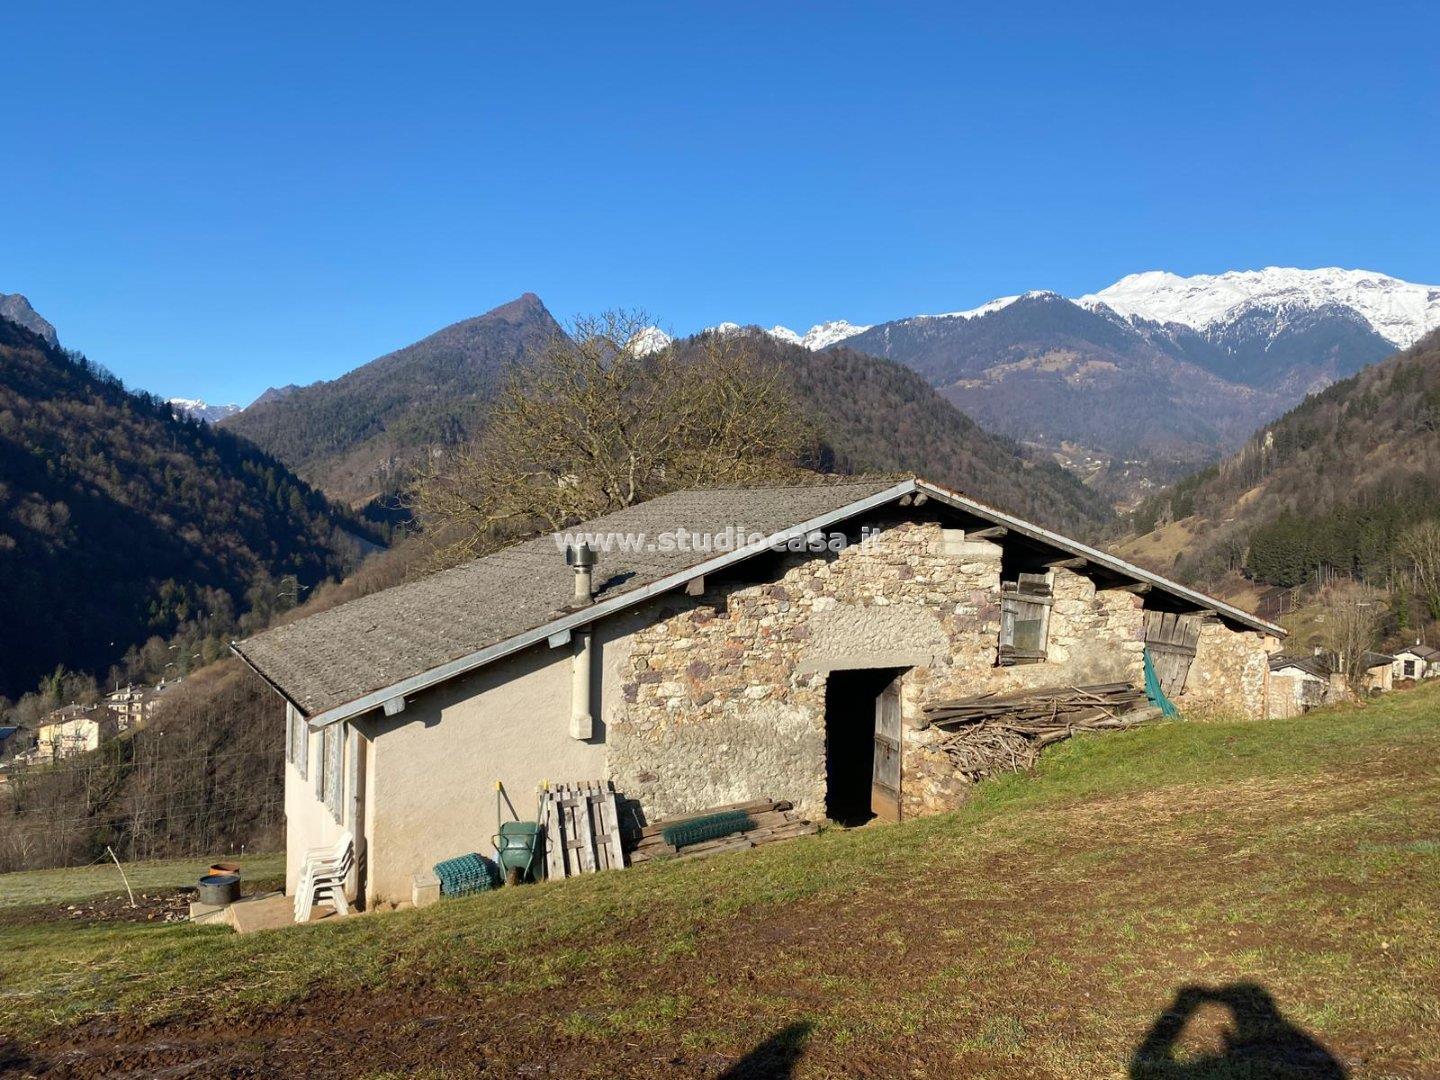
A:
(352, 658)
(340, 655)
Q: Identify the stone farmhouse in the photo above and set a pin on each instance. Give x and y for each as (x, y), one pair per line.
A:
(729, 644)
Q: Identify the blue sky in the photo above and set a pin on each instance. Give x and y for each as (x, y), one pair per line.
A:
(211, 199)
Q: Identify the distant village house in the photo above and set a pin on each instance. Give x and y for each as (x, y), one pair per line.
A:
(74, 729)
(1416, 662)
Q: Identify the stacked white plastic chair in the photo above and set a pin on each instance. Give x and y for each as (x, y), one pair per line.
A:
(322, 877)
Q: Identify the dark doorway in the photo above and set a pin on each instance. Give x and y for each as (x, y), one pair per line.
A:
(854, 703)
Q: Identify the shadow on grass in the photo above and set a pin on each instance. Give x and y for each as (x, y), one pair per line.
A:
(773, 1059)
(1259, 1042)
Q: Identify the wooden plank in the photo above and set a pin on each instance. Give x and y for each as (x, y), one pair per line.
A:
(586, 834)
(611, 814)
(554, 839)
(598, 831)
(751, 806)
(994, 532)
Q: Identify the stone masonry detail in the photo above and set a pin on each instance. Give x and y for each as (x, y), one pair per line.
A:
(723, 694)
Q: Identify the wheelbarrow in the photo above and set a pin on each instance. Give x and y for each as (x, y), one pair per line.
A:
(517, 848)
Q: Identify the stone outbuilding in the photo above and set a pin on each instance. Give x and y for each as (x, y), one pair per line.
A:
(728, 644)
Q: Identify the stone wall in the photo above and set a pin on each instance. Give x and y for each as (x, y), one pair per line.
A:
(724, 699)
(1093, 637)
(1284, 697)
(1230, 674)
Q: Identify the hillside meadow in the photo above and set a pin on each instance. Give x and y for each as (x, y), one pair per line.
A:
(1190, 899)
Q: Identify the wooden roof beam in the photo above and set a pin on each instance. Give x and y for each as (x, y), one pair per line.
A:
(1139, 588)
(994, 532)
(1067, 564)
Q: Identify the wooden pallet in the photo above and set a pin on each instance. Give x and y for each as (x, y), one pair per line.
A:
(582, 829)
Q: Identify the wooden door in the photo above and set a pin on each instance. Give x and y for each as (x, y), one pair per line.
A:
(885, 779)
(1171, 640)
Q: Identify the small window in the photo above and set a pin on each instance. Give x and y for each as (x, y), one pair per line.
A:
(1409, 669)
(1025, 619)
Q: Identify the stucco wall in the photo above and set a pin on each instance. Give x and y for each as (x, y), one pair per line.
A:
(1284, 696)
(433, 768)
(308, 821)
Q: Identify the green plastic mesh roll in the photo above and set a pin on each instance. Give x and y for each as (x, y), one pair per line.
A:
(710, 827)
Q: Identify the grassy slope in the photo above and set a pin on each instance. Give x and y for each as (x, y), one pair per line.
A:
(1036, 932)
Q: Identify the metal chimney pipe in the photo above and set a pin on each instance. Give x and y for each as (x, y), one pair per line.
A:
(582, 559)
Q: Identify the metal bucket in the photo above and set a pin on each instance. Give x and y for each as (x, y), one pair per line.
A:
(219, 889)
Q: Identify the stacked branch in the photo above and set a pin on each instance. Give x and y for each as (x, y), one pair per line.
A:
(994, 733)
(774, 820)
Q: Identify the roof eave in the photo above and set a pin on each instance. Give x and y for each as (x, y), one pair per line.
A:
(592, 613)
(238, 651)
(1099, 558)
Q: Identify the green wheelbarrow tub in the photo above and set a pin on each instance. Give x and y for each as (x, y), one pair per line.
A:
(517, 846)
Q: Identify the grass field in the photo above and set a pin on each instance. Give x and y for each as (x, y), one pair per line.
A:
(1239, 899)
(103, 879)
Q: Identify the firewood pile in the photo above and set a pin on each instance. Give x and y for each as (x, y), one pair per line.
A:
(994, 733)
(772, 820)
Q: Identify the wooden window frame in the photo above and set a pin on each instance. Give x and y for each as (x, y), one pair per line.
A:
(332, 769)
(1031, 595)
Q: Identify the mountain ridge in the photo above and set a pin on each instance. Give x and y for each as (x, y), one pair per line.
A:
(120, 520)
(1326, 488)
(357, 434)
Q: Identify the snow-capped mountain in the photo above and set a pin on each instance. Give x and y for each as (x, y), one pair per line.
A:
(819, 336)
(1401, 312)
(651, 339)
(200, 410)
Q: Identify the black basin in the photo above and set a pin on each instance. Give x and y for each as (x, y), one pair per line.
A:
(219, 889)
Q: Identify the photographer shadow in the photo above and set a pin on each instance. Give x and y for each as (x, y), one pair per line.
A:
(1259, 1042)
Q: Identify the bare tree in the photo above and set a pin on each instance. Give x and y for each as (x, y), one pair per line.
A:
(1419, 546)
(1353, 613)
(596, 424)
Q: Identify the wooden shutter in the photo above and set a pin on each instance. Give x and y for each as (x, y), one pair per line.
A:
(302, 746)
(331, 771)
(1171, 640)
(1025, 619)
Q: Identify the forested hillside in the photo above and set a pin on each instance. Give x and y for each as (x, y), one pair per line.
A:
(874, 415)
(1327, 489)
(118, 521)
(355, 436)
